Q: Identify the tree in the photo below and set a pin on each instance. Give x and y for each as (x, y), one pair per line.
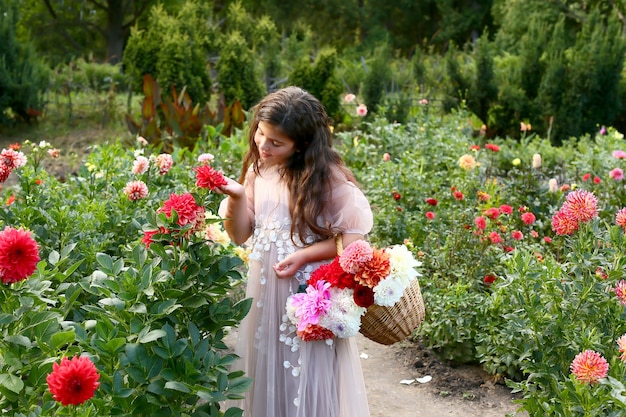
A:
(23, 76)
(173, 49)
(64, 29)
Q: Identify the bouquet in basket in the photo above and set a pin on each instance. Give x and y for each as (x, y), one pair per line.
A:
(339, 293)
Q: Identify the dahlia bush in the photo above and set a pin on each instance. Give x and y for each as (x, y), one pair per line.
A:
(117, 286)
(123, 262)
(522, 247)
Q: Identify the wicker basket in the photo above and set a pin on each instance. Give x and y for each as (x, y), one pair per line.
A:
(388, 325)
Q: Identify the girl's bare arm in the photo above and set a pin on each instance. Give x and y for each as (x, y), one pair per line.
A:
(326, 249)
(237, 221)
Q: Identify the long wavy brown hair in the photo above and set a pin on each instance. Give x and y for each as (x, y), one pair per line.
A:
(308, 172)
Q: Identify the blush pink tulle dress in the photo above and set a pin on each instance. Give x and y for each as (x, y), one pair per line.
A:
(292, 378)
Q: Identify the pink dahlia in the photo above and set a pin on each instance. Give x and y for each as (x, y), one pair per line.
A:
(619, 154)
(480, 222)
(5, 171)
(620, 218)
(492, 212)
(74, 381)
(185, 206)
(506, 209)
(617, 174)
(517, 235)
(620, 291)
(311, 304)
(581, 205)
(355, 255)
(563, 223)
(164, 161)
(19, 255)
(589, 366)
(495, 238)
(12, 158)
(528, 218)
(140, 165)
(207, 177)
(136, 190)
(621, 343)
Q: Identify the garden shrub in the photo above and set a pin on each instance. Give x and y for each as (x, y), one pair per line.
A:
(237, 74)
(23, 76)
(150, 310)
(377, 78)
(320, 79)
(173, 50)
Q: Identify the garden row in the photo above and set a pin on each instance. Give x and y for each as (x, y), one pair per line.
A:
(521, 245)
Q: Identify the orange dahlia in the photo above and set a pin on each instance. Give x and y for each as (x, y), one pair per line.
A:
(374, 271)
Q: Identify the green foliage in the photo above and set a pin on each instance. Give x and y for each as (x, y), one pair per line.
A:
(172, 49)
(179, 122)
(236, 72)
(152, 319)
(377, 79)
(562, 76)
(483, 90)
(23, 76)
(512, 294)
(83, 75)
(320, 79)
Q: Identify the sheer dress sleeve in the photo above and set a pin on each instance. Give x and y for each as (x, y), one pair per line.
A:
(348, 210)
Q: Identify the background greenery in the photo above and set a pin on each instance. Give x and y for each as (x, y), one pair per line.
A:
(556, 65)
(441, 79)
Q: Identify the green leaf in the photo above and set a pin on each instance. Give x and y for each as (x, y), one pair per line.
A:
(105, 261)
(178, 386)
(113, 345)
(12, 383)
(6, 319)
(165, 307)
(151, 336)
(18, 340)
(54, 257)
(233, 412)
(140, 254)
(62, 338)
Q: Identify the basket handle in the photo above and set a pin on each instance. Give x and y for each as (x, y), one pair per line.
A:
(339, 244)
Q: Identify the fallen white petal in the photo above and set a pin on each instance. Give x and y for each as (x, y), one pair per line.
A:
(407, 381)
(424, 379)
(364, 355)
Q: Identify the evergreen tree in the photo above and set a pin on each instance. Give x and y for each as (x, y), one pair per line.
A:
(320, 79)
(173, 50)
(483, 91)
(377, 78)
(237, 76)
(23, 77)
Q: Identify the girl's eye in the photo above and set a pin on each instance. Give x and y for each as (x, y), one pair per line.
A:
(274, 143)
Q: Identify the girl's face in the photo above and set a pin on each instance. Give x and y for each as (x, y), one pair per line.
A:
(275, 148)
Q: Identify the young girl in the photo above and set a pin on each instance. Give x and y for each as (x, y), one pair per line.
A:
(296, 196)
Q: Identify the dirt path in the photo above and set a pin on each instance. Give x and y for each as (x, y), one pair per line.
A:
(464, 391)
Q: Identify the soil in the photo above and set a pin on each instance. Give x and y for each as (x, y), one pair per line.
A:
(391, 372)
(464, 390)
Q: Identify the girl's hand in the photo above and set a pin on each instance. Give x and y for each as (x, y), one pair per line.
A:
(288, 266)
(232, 189)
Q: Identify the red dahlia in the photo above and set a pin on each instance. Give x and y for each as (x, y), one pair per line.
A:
(19, 255)
(74, 381)
(185, 207)
(207, 177)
